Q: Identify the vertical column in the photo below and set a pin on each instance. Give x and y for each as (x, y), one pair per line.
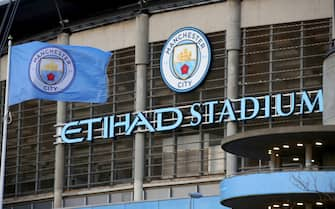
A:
(277, 162)
(308, 156)
(272, 162)
(233, 47)
(333, 23)
(141, 62)
(328, 73)
(309, 205)
(62, 38)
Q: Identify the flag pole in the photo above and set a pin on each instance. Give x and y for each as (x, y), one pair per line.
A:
(4, 129)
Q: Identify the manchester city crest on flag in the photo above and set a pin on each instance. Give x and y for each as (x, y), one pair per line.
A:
(58, 72)
(185, 59)
(51, 70)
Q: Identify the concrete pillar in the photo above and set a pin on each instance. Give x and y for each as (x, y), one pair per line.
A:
(233, 46)
(333, 23)
(308, 205)
(59, 152)
(141, 62)
(277, 162)
(328, 72)
(272, 162)
(308, 156)
(328, 85)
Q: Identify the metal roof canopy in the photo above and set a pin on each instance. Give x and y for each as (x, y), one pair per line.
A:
(37, 16)
(254, 144)
(39, 19)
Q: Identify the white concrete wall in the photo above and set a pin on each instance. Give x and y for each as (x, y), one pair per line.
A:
(208, 18)
(110, 37)
(264, 12)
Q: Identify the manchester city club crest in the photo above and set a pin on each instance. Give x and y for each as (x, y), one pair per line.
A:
(51, 70)
(185, 59)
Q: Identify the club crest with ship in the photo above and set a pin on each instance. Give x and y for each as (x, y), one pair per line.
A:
(51, 70)
(185, 59)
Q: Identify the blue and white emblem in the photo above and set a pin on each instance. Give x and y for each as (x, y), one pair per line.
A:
(185, 59)
(51, 70)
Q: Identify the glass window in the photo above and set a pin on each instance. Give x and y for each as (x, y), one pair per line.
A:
(186, 151)
(42, 205)
(209, 189)
(121, 197)
(104, 162)
(183, 191)
(157, 193)
(30, 149)
(74, 201)
(97, 199)
(283, 58)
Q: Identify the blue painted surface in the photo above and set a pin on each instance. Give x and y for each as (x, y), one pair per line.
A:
(278, 183)
(212, 202)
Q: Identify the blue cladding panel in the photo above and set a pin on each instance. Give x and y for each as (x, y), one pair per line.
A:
(141, 205)
(180, 203)
(201, 203)
(208, 203)
(278, 183)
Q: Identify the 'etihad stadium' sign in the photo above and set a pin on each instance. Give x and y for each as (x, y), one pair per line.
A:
(211, 112)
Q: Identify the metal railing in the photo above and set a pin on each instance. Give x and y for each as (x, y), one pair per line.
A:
(282, 168)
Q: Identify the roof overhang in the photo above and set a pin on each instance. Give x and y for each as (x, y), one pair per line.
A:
(254, 144)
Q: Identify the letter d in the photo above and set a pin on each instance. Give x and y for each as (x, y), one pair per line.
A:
(160, 126)
(244, 108)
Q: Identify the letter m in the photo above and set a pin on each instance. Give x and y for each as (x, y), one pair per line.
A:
(311, 106)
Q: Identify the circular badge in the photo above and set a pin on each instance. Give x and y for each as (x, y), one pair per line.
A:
(51, 70)
(185, 59)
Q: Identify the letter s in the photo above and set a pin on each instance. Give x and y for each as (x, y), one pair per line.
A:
(196, 114)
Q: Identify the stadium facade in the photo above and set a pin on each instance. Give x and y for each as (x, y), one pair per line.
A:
(256, 132)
